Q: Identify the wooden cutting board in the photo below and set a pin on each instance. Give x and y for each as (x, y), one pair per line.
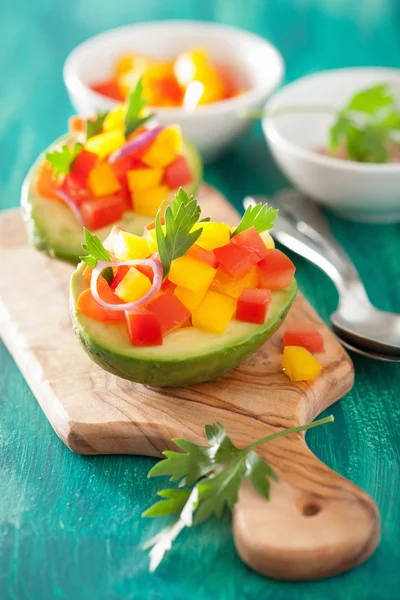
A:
(316, 524)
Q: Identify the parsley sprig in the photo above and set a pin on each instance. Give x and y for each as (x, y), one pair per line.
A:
(176, 236)
(365, 126)
(94, 125)
(135, 104)
(95, 252)
(260, 216)
(226, 466)
(62, 159)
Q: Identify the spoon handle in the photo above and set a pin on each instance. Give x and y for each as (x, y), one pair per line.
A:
(302, 227)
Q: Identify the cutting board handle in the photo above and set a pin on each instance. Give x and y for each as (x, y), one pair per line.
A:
(316, 524)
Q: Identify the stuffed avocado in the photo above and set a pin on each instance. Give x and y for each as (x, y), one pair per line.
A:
(185, 302)
(116, 168)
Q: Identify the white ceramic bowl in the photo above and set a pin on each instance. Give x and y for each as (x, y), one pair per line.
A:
(360, 191)
(211, 127)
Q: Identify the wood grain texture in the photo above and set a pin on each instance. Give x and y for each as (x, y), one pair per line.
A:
(316, 523)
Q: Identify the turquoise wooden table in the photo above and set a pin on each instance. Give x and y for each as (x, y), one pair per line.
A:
(70, 526)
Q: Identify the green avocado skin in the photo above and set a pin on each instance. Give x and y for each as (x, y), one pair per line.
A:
(39, 230)
(177, 372)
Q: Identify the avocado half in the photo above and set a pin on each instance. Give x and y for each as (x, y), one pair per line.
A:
(187, 356)
(53, 229)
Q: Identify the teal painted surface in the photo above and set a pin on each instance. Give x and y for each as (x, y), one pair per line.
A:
(70, 526)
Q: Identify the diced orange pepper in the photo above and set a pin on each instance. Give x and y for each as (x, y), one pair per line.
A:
(225, 284)
(102, 181)
(45, 183)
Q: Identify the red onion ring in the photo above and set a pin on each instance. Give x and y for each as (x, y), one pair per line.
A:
(67, 200)
(137, 142)
(127, 306)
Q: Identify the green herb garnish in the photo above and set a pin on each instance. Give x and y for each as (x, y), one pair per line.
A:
(62, 160)
(260, 216)
(135, 104)
(365, 126)
(176, 237)
(95, 252)
(95, 126)
(208, 496)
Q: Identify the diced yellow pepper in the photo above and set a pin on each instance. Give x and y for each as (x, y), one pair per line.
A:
(190, 273)
(225, 284)
(105, 143)
(143, 179)
(196, 65)
(151, 238)
(147, 202)
(124, 64)
(214, 312)
(268, 240)
(214, 235)
(115, 118)
(102, 180)
(128, 246)
(188, 298)
(299, 364)
(133, 286)
(164, 149)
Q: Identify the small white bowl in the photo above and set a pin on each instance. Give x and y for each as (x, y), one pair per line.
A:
(211, 127)
(359, 191)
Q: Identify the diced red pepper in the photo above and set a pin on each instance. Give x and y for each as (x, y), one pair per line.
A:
(203, 254)
(170, 311)
(109, 88)
(83, 164)
(234, 260)
(75, 190)
(144, 328)
(252, 240)
(252, 305)
(90, 307)
(102, 211)
(276, 270)
(306, 336)
(178, 173)
(119, 275)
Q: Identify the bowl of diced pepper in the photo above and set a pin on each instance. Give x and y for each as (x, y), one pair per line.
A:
(204, 76)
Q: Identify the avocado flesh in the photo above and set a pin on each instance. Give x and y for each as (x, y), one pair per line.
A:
(187, 356)
(53, 229)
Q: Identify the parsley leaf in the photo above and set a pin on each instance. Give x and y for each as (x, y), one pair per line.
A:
(226, 466)
(178, 237)
(96, 251)
(63, 159)
(95, 126)
(260, 216)
(134, 106)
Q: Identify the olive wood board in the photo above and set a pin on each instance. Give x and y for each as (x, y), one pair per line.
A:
(316, 523)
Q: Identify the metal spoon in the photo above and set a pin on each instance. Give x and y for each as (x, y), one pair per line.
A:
(302, 227)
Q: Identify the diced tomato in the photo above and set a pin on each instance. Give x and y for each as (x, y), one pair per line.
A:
(306, 336)
(109, 88)
(75, 190)
(252, 240)
(170, 311)
(203, 254)
(152, 225)
(178, 173)
(119, 275)
(90, 307)
(124, 193)
(276, 270)
(252, 305)
(102, 211)
(144, 328)
(45, 182)
(83, 164)
(234, 260)
(127, 163)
